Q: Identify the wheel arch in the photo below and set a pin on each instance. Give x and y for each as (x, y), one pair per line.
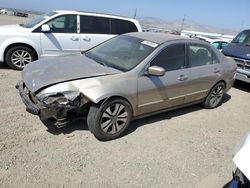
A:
(103, 100)
(223, 81)
(20, 44)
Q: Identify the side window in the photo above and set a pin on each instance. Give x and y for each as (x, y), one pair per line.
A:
(216, 45)
(224, 44)
(63, 24)
(94, 24)
(171, 58)
(122, 26)
(200, 55)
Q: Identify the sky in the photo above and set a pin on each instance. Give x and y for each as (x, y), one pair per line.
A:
(227, 14)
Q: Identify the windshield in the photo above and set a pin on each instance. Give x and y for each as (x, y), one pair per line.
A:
(122, 52)
(38, 19)
(243, 38)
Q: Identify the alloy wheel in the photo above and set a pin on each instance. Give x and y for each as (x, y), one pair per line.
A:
(216, 95)
(114, 118)
(20, 58)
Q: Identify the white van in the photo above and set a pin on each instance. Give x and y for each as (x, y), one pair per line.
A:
(59, 33)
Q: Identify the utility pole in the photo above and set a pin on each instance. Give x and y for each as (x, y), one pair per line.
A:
(135, 13)
(183, 21)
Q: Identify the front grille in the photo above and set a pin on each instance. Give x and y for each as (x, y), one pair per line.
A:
(243, 63)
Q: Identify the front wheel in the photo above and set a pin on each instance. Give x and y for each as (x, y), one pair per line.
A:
(214, 98)
(110, 120)
(19, 56)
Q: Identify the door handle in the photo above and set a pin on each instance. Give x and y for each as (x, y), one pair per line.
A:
(74, 38)
(182, 78)
(87, 39)
(216, 70)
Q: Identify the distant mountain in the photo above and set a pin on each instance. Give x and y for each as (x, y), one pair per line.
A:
(164, 25)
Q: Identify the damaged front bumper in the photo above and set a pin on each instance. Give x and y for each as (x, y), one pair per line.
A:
(58, 112)
(24, 94)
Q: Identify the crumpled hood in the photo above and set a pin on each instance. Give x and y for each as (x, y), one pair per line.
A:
(237, 50)
(50, 71)
(7, 29)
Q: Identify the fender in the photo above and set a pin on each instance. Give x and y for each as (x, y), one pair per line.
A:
(17, 40)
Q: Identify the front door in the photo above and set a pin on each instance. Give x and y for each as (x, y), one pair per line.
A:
(62, 38)
(159, 92)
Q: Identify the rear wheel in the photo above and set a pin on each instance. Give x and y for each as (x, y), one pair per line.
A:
(214, 98)
(110, 120)
(19, 56)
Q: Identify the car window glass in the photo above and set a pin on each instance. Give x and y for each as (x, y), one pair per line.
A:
(122, 52)
(38, 19)
(171, 58)
(94, 24)
(122, 26)
(216, 45)
(224, 44)
(200, 55)
(63, 24)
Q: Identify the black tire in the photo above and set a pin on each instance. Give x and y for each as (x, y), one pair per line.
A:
(103, 123)
(16, 60)
(215, 96)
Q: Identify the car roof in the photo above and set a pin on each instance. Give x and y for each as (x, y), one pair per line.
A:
(158, 38)
(92, 14)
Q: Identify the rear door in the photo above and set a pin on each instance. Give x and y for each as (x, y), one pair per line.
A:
(205, 71)
(159, 92)
(62, 38)
(94, 30)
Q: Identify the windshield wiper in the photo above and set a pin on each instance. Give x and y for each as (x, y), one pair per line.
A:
(96, 59)
(101, 63)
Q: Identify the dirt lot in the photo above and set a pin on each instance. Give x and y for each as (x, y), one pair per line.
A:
(190, 147)
(7, 20)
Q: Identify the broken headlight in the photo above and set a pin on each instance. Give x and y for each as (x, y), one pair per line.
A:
(64, 98)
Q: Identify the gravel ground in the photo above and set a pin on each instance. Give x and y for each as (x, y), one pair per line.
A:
(190, 147)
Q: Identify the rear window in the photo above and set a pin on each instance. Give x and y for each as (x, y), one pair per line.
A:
(122, 26)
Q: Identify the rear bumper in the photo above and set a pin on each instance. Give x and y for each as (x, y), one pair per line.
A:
(243, 75)
(229, 84)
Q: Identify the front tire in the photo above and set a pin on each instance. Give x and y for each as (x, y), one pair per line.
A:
(110, 120)
(19, 56)
(215, 96)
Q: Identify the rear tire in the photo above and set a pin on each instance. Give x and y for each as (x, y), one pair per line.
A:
(19, 56)
(110, 120)
(215, 96)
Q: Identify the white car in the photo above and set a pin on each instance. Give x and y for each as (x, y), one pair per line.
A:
(59, 33)
(218, 43)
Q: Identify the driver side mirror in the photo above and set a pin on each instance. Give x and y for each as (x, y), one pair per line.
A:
(45, 28)
(156, 71)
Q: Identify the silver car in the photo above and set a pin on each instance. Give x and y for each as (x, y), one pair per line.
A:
(128, 77)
